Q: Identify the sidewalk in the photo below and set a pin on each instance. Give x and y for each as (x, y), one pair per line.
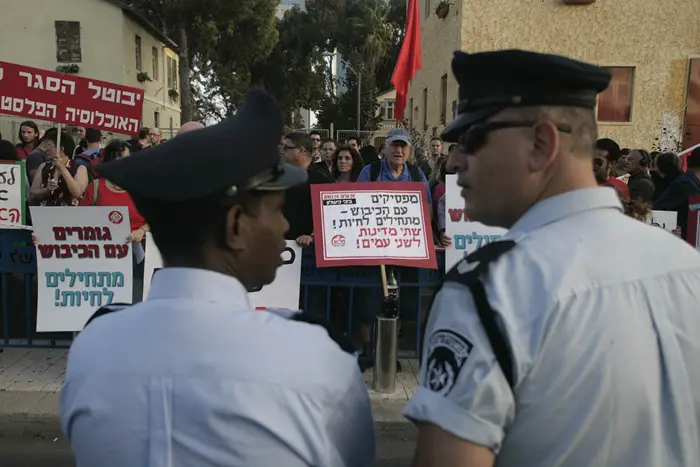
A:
(30, 381)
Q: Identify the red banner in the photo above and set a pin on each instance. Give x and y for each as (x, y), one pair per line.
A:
(56, 97)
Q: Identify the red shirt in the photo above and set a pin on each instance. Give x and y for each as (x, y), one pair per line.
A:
(619, 185)
(107, 197)
(22, 153)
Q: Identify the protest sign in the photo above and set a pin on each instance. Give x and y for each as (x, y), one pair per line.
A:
(12, 194)
(83, 262)
(46, 95)
(467, 235)
(372, 224)
(282, 293)
(667, 220)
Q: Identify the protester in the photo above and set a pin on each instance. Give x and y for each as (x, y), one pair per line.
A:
(608, 154)
(347, 165)
(640, 184)
(28, 139)
(676, 196)
(562, 323)
(369, 154)
(326, 163)
(60, 182)
(668, 167)
(41, 153)
(193, 374)
(8, 152)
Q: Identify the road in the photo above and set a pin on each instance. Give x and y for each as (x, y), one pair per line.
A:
(41, 452)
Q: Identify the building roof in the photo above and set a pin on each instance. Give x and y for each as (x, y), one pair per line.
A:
(146, 24)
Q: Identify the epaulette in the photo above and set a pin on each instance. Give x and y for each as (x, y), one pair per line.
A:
(333, 332)
(469, 272)
(107, 309)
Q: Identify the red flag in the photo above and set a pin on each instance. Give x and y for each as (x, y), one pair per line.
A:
(410, 59)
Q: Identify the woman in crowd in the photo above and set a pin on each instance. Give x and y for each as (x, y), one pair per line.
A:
(347, 165)
(59, 182)
(102, 192)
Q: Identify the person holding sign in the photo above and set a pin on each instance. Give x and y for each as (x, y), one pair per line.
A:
(193, 374)
(555, 345)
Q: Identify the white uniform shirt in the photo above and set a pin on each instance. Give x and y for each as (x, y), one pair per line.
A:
(602, 314)
(194, 377)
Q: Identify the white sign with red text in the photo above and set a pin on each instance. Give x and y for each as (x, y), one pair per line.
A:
(83, 263)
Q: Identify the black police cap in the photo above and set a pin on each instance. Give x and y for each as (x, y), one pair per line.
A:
(492, 81)
(240, 153)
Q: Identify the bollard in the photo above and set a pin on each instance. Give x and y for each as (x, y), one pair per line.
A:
(384, 377)
(386, 332)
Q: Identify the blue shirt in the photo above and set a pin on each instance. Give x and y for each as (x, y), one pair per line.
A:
(385, 175)
(193, 376)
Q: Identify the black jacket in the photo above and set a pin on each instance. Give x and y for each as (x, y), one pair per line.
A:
(675, 198)
(297, 204)
(641, 187)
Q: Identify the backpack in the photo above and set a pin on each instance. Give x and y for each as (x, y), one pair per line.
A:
(376, 167)
(92, 164)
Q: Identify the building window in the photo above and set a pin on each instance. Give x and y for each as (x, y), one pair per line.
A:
(615, 103)
(388, 110)
(139, 63)
(410, 113)
(443, 99)
(172, 73)
(156, 119)
(454, 109)
(68, 42)
(425, 108)
(155, 63)
(426, 6)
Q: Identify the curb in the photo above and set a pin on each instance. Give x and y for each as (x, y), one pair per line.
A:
(49, 427)
(30, 426)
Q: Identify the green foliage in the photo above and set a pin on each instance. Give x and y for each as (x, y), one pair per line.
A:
(294, 72)
(224, 40)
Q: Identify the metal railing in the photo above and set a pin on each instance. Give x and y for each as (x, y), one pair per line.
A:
(342, 292)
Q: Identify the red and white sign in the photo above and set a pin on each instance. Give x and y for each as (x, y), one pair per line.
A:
(56, 97)
(370, 224)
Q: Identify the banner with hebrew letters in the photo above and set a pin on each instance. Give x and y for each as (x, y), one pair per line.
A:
(282, 293)
(667, 220)
(83, 262)
(372, 224)
(13, 195)
(467, 235)
(64, 98)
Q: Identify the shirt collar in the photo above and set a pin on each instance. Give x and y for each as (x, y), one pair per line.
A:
(565, 205)
(91, 151)
(387, 171)
(198, 284)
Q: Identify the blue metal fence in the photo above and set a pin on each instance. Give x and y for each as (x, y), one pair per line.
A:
(336, 288)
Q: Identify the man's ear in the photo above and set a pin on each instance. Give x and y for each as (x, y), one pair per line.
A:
(235, 228)
(546, 146)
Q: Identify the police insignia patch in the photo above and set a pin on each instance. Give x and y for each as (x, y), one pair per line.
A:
(447, 354)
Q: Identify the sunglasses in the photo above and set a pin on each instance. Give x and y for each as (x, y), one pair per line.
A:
(315, 140)
(289, 148)
(475, 137)
(598, 163)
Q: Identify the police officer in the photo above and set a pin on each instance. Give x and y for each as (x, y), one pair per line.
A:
(193, 376)
(574, 341)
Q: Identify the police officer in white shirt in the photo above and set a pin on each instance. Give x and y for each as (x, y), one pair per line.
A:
(574, 341)
(193, 377)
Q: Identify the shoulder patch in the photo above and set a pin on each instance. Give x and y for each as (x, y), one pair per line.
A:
(333, 332)
(105, 310)
(447, 353)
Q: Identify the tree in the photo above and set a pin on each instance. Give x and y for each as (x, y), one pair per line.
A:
(294, 72)
(221, 38)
